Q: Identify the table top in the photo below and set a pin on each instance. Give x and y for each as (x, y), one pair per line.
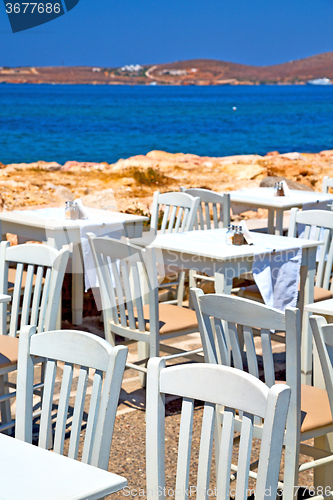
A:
(31, 473)
(264, 198)
(43, 218)
(212, 244)
(325, 307)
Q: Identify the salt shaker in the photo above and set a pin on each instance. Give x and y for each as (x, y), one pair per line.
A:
(72, 210)
(239, 237)
(279, 191)
(230, 235)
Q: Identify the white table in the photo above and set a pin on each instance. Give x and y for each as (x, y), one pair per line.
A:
(194, 251)
(264, 198)
(61, 233)
(31, 473)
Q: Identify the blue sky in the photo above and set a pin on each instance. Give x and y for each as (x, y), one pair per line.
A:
(116, 32)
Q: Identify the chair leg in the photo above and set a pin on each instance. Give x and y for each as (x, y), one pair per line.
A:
(143, 353)
(180, 291)
(323, 476)
(6, 415)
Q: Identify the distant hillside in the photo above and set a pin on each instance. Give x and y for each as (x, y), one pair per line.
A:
(192, 72)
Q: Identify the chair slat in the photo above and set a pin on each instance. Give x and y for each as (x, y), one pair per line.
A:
(165, 219)
(306, 234)
(15, 310)
(201, 218)
(207, 216)
(128, 294)
(184, 448)
(328, 265)
(267, 353)
(244, 456)
(323, 252)
(47, 403)
(223, 346)
(205, 452)
(251, 355)
(60, 430)
(215, 216)
(119, 291)
(138, 296)
(44, 301)
(185, 219)
(78, 413)
(236, 353)
(36, 295)
(107, 288)
(179, 219)
(27, 294)
(93, 415)
(172, 220)
(226, 447)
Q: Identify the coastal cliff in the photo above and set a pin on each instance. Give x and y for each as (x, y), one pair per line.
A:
(192, 72)
(133, 180)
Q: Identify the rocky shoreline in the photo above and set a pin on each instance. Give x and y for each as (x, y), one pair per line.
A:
(133, 180)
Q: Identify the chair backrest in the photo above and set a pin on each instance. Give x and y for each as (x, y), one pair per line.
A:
(38, 272)
(316, 225)
(214, 385)
(88, 352)
(173, 212)
(327, 183)
(227, 328)
(211, 204)
(127, 277)
(323, 335)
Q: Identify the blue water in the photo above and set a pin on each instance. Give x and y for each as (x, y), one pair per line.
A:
(105, 123)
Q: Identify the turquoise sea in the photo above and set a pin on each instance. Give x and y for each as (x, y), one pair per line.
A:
(105, 123)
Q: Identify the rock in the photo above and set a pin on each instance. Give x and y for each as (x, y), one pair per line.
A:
(53, 166)
(328, 153)
(270, 182)
(292, 156)
(102, 199)
(83, 165)
(207, 164)
(64, 193)
(273, 153)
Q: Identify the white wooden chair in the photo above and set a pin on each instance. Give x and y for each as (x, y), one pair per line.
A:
(215, 385)
(88, 352)
(323, 335)
(227, 327)
(38, 273)
(128, 283)
(211, 204)
(173, 213)
(327, 183)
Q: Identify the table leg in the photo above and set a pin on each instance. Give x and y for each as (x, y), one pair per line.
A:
(270, 228)
(306, 297)
(222, 283)
(77, 285)
(279, 223)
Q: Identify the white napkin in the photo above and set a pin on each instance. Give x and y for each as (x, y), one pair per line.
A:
(84, 213)
(277, 277)
(286, 188)
(247, 235)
